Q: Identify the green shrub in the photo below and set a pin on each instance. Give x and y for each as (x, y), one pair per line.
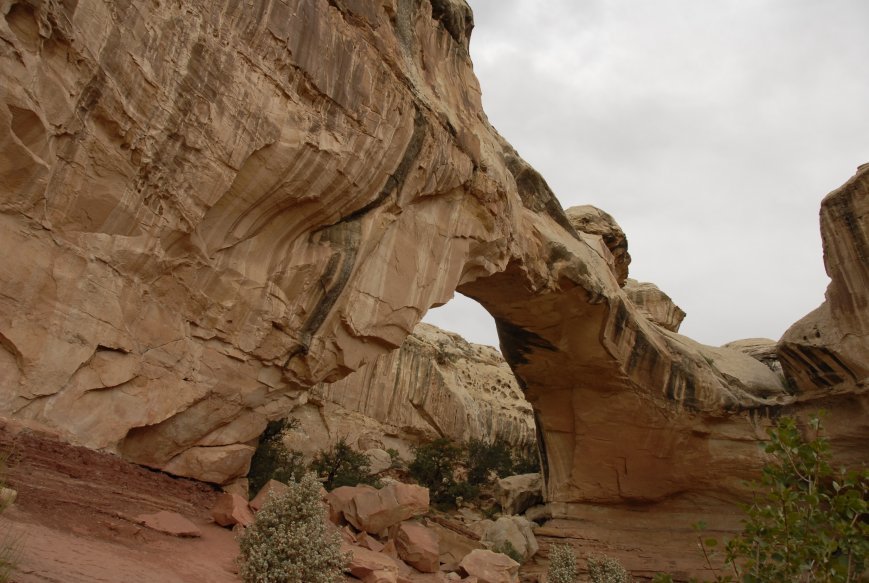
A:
(562, 565)
(603, 569)
(342, 465)
(806, 523)
(507, 548)
(434, 466)
(485, 460)
(272, 460)
(289, 541)
(526, 460)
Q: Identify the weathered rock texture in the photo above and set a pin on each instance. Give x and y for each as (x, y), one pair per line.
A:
(436, 385)
(827, 352)
(215, 206)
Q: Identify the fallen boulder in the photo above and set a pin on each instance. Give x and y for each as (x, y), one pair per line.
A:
(417, 546)
(516, 494)
(490, 567)
(232, 509)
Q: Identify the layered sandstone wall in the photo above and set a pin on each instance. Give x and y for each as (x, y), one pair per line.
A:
(437, 385)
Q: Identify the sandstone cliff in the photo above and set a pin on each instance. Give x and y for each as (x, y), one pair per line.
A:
(215, 207)
(436, 385)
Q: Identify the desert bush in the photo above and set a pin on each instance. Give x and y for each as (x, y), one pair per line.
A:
(342, 465)
(434, 466)
(562, 565)
(487, 459)
(289, 541)
(507, 548)
(603, 569)
(272, 460)
(526, 460)
(807, 522)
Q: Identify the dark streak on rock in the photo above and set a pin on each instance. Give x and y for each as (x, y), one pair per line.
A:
(517, 343)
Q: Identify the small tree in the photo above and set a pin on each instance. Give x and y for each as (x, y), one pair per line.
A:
(485, 459)
(807, 522)
(289, 541)
(434, 466)
(562, 565)
(272, 460)
(343, 466)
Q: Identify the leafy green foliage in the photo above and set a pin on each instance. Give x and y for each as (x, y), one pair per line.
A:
(526, 460)
(562, 564)
(806, 523)
(603, 569)
(343, 466)
(434, 466)
(289, 541)
(485, 459)
(272, 460)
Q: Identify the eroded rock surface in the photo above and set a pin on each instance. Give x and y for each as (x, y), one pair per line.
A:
(436, 385)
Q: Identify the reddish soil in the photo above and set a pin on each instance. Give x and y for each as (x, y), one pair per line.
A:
(75, 517)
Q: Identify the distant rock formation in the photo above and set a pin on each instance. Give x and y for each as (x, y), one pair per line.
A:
(435, 385)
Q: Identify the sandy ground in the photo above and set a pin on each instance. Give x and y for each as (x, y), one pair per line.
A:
(74, 519)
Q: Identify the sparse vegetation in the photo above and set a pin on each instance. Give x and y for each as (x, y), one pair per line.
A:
(486, 460)
(507, 548)
(272, 459)
(289, 541)
(562, 564)
(603, 569)
(342, 465)
(436, 465)
(807, 522)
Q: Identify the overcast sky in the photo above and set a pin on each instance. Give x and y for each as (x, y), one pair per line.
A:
(710, 130)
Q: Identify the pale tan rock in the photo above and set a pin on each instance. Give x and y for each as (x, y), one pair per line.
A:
(764, 350)
(516, 494)
(367, 563)
(654, 304)
(826, 351)
(341, 502)
(240, 486)
(374, 511)
(453, 545)
(231, 509)
(417, 546)
(512, 531)
(170, 523)
(489, 567)
(272, 488)
(379, 460)
(590, 220)
(437, 384)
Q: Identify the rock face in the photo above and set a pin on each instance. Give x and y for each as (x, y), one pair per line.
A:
(654, 304)
(215, 207)
(436, 385)
(826, 352)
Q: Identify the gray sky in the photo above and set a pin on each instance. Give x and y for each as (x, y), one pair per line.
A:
(710, 130)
